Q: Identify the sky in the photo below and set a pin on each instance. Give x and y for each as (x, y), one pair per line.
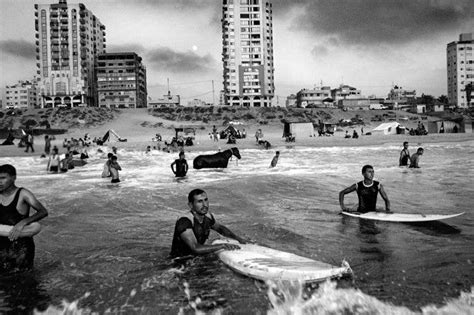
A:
(368, 44)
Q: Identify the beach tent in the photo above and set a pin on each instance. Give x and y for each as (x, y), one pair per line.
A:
(109, 132)
(388, 128)
(298, 129)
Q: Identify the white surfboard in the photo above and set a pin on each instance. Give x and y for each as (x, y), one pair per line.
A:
(401, 217)
(28, 231)
(264, 263)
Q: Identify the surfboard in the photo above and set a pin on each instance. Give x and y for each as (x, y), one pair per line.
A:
(401, 217)
(28, 231)
(263, 263)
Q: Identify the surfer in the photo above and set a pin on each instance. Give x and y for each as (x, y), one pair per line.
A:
(181, 166)
(367, 191)
(190, 235)
(404, 155)
(415, 158)
(15, 204)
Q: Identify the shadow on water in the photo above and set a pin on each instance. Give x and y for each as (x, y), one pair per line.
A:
(434, 228)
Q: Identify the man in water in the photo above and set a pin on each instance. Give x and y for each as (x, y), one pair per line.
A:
(415, 158)
(181, 166)
(275, 159)
(106, 169)
(367, 191)
(114, 168)
(404, 155)
(190, 234)
(15, 204)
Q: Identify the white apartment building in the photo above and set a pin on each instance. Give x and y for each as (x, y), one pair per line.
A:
(315, 97)
(21, 95)
(460, 65)
(68, 39)
(247, 55)
(397, 93)
(345, 92)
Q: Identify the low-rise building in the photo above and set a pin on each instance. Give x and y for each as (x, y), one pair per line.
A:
(23, 94)
(197, 102)
(314, 97)
(345, 92)
(121, 80)
(167, 101)
(291, 101)
(397, 93)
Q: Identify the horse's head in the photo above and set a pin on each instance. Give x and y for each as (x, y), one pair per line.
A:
(236, 152)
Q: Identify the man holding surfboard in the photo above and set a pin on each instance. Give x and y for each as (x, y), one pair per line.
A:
(190, 234)
(367, 191)
(17, 249)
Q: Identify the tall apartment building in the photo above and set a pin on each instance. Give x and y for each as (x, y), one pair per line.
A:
(460, 61)
(247, 55)
(121, 80)
(21, 95)
(68, 39)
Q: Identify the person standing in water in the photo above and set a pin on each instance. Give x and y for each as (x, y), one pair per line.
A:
(367, 191)
(17, 252)
(114, 168)
(404, 155)
(275, 159)
(190, 234)
(415, 158)
(181, 166)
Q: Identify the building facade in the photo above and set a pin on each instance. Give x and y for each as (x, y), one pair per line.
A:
(397, 93)
(345, 92)
(68, 39)
(121, 80)
(21, 95)
(247, 55)
(167, 101)
(317, 97)
(460, 67)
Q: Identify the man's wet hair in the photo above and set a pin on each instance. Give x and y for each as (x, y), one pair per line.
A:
(8, 169)
(406, 142)
(193, 193)
(181, 153)
(109, 155)
(420, 150)
(365, 167)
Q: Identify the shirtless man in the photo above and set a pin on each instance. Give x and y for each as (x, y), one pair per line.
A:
(17, 252)
(415, 158)
(404, 155)
(181, 166)
(114, 168)
(190, 234)
(367, 191)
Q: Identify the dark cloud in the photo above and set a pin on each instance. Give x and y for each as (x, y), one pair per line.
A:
(20, 48)
(380, 21)
(166, 59)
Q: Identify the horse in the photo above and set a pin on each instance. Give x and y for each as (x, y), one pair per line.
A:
(218, 160)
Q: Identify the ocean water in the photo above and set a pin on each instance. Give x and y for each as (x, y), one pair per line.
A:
(103, 249)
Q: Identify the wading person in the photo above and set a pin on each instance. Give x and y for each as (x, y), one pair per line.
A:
(181, 166)
(367, 191)
(404, 155)
(190, 234)
(17, 252)
(415, 158)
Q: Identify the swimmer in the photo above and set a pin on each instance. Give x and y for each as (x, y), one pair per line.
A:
(114, 168)
(404, 155)
(275, 159)
(415, 158)
(181, 166)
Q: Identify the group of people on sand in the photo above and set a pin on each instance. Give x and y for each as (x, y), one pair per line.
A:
(407, 160)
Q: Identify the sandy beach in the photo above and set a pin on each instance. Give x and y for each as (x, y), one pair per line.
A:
(139, 128)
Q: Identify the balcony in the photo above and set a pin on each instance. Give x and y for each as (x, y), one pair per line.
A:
(53, 14)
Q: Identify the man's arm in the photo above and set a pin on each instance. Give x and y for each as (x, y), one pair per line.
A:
(385, 198)
(27, 197)
(188, 237)
(343, 193)
(172, 164)
(224, 231)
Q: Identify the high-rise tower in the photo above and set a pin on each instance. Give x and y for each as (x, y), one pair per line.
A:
(247, 55)
(68, 39)
(460, 64)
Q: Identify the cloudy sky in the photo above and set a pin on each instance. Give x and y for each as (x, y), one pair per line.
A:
(368, 44)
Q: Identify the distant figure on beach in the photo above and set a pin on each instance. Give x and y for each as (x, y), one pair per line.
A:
(181, 166)
(355, 135)
(17, 252)
(367, 191)
(215, 136)
(53, 162)
(275, 159)
(259, 135)
(404, 155)
(114, 168)
(347, 134)
(148, 149)
(106, 170)
(29, 142)
(63, 164)
(415, 158)
(191, 233)
(47, 144)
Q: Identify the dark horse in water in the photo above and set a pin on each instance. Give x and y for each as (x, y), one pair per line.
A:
(218, 160)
